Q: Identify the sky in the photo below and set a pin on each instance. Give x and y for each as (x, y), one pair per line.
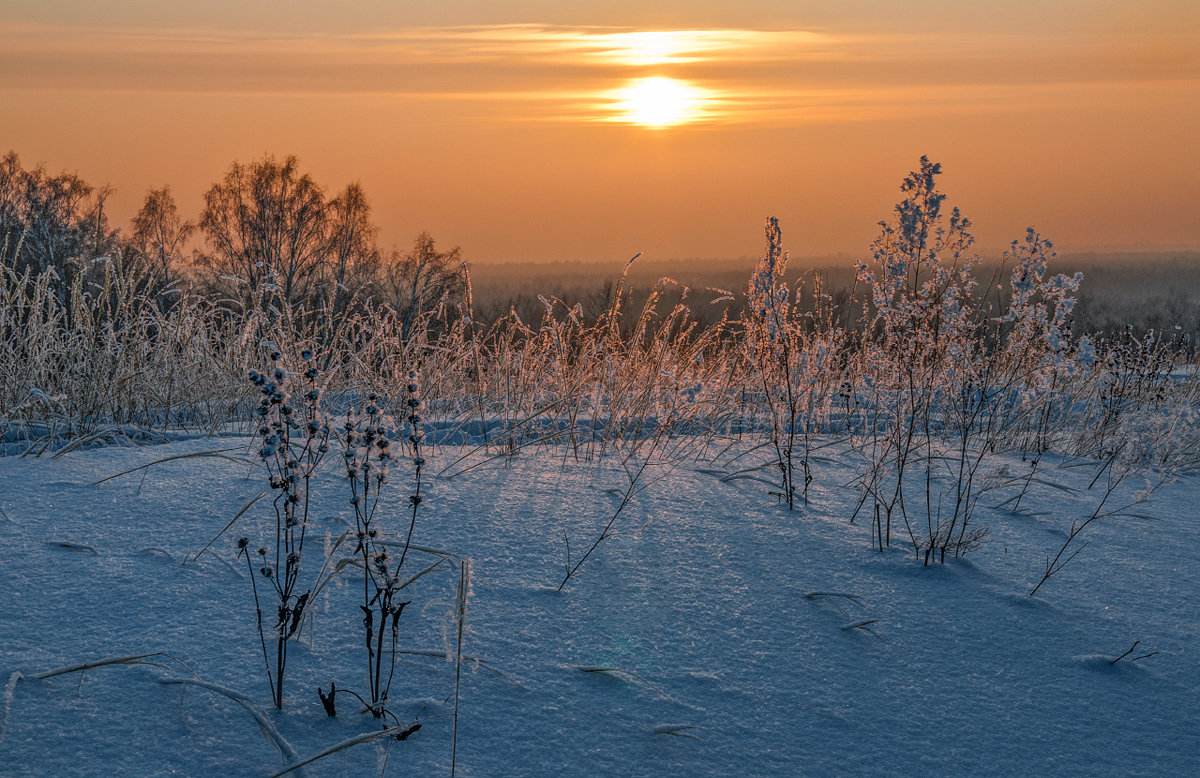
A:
(584, 131)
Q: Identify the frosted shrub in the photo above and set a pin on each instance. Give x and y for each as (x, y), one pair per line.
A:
(917, 328)
(953, 374)
(999, 384)
(1040, 307)
(1038, 359)
(793, 355)
(771, 340)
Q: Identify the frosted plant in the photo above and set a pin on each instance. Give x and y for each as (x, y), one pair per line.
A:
(293, 439)
(793, 355)
(367, 454)
(1040, 307)
(767, 294)
(919, 320)
(772, 338)
(952, 378)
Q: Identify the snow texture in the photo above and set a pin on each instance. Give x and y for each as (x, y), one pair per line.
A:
(716, 634)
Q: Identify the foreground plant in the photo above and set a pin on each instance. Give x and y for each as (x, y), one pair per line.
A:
(794, 353)
(293, 439)
(367, 455)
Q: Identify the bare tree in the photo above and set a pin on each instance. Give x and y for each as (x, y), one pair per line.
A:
(420, 279)
(266, 224)
(49, 222)
(158, 239)
(12, 207)
(353, 256)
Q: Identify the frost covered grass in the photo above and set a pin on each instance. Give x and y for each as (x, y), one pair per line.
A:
(722, 524)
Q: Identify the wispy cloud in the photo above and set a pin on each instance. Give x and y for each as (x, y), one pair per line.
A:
(621, 47)
(512, 43)
(573, 73)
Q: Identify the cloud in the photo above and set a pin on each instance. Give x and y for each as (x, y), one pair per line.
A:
(570, 73)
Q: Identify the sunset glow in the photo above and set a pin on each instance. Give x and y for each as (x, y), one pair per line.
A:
(443, 113)
(658, 47)
(660, 102)
(649, 48)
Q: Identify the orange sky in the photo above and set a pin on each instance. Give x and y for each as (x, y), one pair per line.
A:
(517, 129)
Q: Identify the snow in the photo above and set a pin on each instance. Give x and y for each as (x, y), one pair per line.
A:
(715, 634)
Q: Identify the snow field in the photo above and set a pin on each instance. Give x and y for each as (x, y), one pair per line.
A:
(715, 634)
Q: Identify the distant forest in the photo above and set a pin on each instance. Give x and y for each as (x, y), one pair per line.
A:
(1145, 291)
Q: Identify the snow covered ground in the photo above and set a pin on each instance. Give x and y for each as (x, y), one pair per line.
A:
(718, 634)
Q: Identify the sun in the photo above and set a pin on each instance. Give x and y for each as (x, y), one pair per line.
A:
(659, 101)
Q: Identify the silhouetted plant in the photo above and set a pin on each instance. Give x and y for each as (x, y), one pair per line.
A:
(367, 455)
(293, 439)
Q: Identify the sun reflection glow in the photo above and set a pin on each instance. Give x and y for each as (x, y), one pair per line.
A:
(654, 47)
(658, 101)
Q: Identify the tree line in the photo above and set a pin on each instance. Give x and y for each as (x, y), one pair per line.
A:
(268, 234)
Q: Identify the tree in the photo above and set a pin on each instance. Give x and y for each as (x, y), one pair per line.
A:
(50, 222)
(266, 226)
(158, 238)
(12, 207)
(271, 228)
(419, 280)
(353, 256)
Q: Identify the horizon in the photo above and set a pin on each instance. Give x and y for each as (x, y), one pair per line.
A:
(536, 133)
